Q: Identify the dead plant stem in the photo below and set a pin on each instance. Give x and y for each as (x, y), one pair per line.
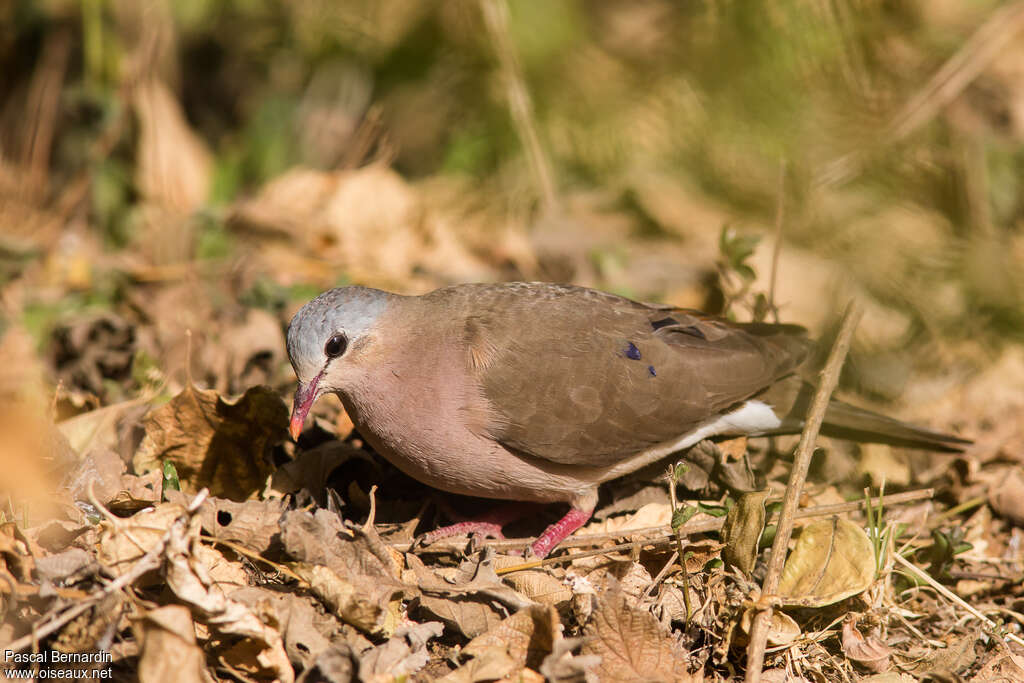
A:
(797, 477)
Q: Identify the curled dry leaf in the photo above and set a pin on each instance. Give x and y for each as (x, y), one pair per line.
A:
(349, 569)
(402, 655)
(66, 567)
(307, 631)
(238, 634)
(632, 645)
(741, 534)
(215, 444)
(782, 628)
(869, 652)
(168, 649)
(562, 666)
(833, 560)
(122, 543)
(472, 600)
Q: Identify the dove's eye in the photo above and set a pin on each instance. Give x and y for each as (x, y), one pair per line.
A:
(335, 346)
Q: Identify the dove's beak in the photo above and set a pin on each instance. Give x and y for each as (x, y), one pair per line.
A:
(305, 396)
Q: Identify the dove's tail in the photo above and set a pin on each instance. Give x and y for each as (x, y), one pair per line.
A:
(846, 421)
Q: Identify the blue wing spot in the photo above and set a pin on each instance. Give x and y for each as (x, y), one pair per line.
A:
(632, 352)
(650, 369)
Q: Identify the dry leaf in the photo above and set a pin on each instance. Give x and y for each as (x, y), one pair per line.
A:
(869, 652)
(561, 666)
(305, 628)
(168, 649)
(173, 167)
(527, 636)
(1008, 668)
(124, 542)
(310, 470)
(336, 664)
(741, 534)
(632, 645)
(491, 665)
(252, 646)
(956, 657)
(67, 567)
(215, 444)
(350, 570)
(252, 523)
(782, 629)
(833, 560)
(472, 600)
(402, 655)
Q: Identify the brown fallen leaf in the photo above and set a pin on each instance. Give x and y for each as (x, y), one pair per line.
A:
(66, 567)
(400, 656)
(632, 645)
(471, 599)
(122, 543)
(833, 560)
(1008, 668)
(98, 473)
(336, 664)
(947, 663)
(306, 629)
(741, 534)
(238, 635)
(251, 523)
(527, 636)
(782, 628)
(869, 652)
(562, 666)
(168, 649)
(213, 443)
(349, 569)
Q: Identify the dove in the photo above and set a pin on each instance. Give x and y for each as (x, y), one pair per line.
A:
(540, 392)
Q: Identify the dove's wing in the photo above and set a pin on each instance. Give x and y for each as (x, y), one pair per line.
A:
(577, 376)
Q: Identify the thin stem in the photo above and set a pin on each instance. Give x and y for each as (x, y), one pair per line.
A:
(797, 477)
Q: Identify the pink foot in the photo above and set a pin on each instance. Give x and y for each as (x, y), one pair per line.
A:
(488, 526)
(485, 529)
(559, 531)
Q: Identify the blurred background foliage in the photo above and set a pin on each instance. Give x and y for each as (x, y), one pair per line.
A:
(171, 165)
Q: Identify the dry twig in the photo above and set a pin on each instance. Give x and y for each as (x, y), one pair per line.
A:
(801, 462)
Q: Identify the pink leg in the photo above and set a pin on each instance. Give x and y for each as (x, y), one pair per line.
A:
(559, 531)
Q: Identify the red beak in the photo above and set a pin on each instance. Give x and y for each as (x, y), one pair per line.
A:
(305, 396)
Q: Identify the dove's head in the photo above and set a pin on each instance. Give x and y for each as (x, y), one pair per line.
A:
(325, 339)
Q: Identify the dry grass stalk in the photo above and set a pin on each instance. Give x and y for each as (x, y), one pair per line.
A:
(495, 14)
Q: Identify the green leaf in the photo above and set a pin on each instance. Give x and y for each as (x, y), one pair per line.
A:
(170, 479)
(682, 515)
